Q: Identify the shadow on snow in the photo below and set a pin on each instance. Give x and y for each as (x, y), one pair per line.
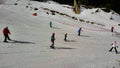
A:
(84, 36)
(70, 41)
(21, 42)
(64, 48)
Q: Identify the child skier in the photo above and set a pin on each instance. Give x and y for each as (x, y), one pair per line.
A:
(114, 46)
(79, 31)
(6, 33)
(52, 40)
(50, 24)
(65, 37)
(112, 29)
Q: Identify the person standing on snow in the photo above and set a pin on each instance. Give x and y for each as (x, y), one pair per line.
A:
(6, 33)
(50, 24)
(79, 31)
(112, 29)
(65, 38)
(52, 40)
(114, 45)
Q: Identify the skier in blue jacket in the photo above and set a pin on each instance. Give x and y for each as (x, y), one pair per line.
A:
(79, 31)
(50, 24)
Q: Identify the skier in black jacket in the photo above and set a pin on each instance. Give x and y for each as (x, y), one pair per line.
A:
(52, 40)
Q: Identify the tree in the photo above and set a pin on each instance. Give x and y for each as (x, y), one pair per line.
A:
(109, 4)
(76, 6)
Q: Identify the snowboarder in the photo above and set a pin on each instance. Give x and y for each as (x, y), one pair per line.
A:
(52, 40)
(65, 37)
(50, 24)
(114, 45)
(6, 33)
(112, 28)
(79, 31)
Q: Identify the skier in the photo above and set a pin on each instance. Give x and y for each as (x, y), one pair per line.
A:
(112, 28)
(114, 46)
(52, 40)
(50, 24)
(79, 31)
(65, 37)
(6, 33)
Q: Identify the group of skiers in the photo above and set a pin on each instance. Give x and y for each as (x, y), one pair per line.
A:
(114, 44)
(65, 36)
(6, 33)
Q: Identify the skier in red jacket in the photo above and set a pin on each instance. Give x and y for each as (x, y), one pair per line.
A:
(6, 33)
(112, 29)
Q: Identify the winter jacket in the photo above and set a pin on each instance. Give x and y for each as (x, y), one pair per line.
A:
(114, 44)
(112, 28)
(6, 31)
(53, 37)
(79, 30)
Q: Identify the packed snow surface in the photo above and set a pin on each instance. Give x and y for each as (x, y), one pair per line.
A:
(32, 36)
